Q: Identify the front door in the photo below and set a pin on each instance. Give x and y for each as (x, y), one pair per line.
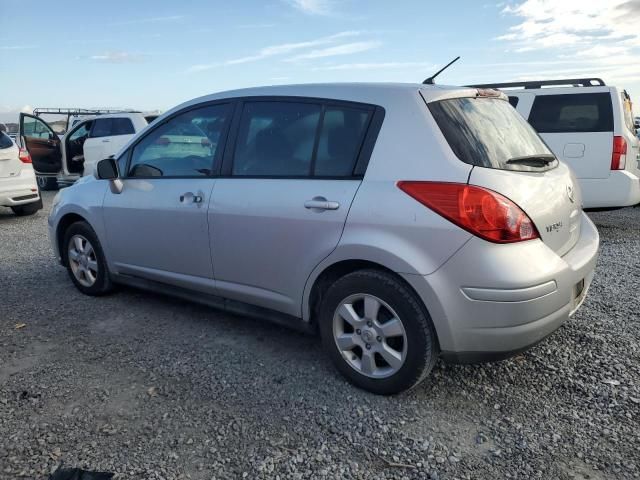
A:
(157, 225)
(42, 143)
(282, 206)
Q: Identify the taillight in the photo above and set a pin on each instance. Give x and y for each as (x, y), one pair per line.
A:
(619, 155)
(483, 212)
(23, 155)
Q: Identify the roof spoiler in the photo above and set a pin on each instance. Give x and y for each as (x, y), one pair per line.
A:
(573, 82)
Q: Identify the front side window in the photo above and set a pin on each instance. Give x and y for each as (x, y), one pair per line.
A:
(276, 139)
(184, 146)
(33, 127)
(580, 112)
(81, 132)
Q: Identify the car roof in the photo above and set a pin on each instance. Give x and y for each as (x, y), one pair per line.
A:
(375, 93)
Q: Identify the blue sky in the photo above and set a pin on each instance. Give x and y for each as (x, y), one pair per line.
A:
(154, 54)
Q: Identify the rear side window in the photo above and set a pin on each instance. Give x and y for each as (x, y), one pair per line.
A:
(295, 139)
(343, 130)
(514, 101)
(108, 127)
(5, 140)
(580, 112)
(276, 139)
(489, 133)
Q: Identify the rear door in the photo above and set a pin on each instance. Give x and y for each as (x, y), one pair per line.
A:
(43, 144)
(281, 205)
(578, 127)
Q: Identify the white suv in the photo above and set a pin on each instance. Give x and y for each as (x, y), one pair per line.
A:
(18, 189)
(589, 126)
(60, 161)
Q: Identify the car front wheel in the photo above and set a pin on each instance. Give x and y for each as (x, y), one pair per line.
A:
(377, 333)
(85, 260)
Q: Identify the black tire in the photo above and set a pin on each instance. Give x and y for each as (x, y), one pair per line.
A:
(422, 345)
(103, 283)
(27, 209)
(47, 183)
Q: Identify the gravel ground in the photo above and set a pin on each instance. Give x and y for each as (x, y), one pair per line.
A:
(150, 387)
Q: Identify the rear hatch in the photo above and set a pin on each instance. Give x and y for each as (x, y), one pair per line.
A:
(578, 127)
(510, 158)
(9, 162)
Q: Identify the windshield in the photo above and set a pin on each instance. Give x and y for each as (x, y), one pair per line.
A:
(488, 132)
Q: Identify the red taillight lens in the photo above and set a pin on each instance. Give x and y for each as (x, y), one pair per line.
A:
(619, 155)
(23, 155)
(484, 213)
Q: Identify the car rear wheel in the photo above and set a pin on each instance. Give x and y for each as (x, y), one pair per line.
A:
(85, 261)
(28, 209)
(47, 183)
(377, 333)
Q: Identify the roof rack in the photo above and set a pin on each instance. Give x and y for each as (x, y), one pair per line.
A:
(574, 82)
(79, 111)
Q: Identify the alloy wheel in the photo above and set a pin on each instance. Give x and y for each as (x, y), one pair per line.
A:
(370, 335)
(83, 260)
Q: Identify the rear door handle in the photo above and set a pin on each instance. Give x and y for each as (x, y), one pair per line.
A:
(321, 203)
(106, 140)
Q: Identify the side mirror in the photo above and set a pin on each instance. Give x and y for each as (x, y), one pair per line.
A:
(107, 169)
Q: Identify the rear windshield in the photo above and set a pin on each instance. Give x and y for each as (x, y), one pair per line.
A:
(578, 112)
(488, 132)
(5, 140)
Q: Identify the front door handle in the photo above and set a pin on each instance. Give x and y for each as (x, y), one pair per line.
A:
(106, 140)
(189, 197)
(321, 203)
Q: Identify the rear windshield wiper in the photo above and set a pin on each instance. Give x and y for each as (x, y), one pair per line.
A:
(533, 160)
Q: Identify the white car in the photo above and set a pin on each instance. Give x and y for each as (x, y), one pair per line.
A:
(18, 188)
(589, 126)
(60, 161)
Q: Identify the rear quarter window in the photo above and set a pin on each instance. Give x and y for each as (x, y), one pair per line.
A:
(5, 140)
(580, 112)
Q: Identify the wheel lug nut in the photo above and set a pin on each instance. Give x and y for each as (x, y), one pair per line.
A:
(368, 346)
(358, 331)
(379, 338)
(369, 324)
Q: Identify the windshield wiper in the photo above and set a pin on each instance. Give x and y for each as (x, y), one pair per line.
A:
(540, 160)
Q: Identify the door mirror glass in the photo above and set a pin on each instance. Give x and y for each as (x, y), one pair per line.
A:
(107, 169)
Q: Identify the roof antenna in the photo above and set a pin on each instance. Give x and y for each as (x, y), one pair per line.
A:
(429, 81)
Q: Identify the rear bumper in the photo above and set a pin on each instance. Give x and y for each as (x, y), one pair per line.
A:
(19, 190)
(491, 301)
(620, 189)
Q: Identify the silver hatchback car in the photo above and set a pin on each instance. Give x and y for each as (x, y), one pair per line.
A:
(404, 222)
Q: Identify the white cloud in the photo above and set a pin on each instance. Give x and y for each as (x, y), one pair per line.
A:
(581, 38)
(136, 21)
(118, 57)
(313, 7)
(17, 47)
(344, 49)
(376, 66)
(276, 50)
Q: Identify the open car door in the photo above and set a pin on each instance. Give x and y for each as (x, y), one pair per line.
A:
(43, 144)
